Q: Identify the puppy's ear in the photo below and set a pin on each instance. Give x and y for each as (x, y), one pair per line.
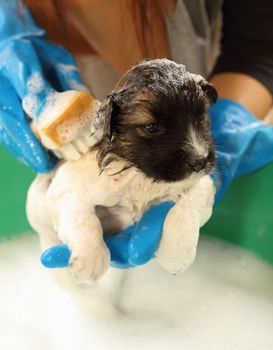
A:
(209, 91)
(106, 118)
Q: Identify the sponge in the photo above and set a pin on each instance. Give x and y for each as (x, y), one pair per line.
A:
(64, 125)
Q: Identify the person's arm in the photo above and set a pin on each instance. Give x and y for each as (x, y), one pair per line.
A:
(244, 70)
(244, 89)
(111, 30)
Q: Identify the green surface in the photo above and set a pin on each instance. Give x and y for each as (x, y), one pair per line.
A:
(15, 179)
(244, 217)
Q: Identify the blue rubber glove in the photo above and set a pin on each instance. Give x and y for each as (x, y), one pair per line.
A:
(134, 246)
(25, 53)
(243, 145)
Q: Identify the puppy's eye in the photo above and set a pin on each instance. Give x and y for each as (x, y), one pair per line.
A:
(152, 129)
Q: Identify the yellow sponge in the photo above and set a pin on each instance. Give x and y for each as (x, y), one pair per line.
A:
(64, 125)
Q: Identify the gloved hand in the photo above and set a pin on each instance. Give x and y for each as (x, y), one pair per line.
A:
(31, 68)
(243, 145)
(134, 246)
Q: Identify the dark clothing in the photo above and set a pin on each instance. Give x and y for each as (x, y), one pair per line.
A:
(247, 40)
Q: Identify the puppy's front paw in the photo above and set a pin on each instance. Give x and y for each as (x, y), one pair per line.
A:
(87, 266)
(177, 249)
(175, 259)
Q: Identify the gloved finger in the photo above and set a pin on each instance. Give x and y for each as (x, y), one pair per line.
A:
(15, 132)
(146, 237)
(134, 246)
(59, 255)
(118, 247)
(56, 257)
(59, 66)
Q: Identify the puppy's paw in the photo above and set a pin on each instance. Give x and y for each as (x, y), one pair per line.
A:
(177, 248)
(87, 266)
(175, 260)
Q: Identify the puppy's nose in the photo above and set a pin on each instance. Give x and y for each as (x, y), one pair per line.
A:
(198, 164)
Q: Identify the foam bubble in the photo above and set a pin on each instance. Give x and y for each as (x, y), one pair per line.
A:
(30, 105)
(35, 83)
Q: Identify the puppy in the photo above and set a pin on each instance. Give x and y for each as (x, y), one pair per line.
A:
(152, 143)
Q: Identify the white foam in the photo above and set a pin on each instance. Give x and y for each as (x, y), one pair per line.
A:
(67, 131)
(73, 84)
(35, 83)
(219, 303)
(55, 104)
(30, 105)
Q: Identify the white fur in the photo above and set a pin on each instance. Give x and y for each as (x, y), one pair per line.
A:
(61, 206)
(198, 144)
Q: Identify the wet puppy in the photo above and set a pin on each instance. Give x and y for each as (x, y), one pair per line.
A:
(152, 143)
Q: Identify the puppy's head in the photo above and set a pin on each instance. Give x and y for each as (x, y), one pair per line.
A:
(156, 120)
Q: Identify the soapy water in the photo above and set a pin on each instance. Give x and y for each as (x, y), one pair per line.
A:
(225, 301)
